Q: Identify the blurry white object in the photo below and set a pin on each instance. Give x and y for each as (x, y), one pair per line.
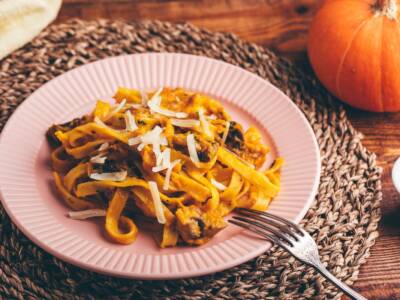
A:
(22, 20)
(396, 174)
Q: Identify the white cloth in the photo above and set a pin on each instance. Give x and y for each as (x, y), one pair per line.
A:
(22, 20)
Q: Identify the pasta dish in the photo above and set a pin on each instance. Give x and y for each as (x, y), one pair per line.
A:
(169, 161)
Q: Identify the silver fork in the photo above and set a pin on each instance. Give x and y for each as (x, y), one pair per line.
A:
(290, 237)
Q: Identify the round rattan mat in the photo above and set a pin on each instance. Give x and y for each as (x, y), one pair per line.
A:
(343, 218)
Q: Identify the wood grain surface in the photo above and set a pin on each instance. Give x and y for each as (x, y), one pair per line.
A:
(282, 25)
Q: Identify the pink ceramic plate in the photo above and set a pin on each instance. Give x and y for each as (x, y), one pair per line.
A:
(26, 182)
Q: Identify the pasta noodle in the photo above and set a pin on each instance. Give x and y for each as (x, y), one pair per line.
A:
(170, 158)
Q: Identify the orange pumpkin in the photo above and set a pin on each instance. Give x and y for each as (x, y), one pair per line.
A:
(354, 48)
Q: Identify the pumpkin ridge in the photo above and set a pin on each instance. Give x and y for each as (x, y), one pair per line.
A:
(390, 94)
(339, 70)
(380, 100)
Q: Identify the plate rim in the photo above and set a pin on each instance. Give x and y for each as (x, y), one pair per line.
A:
(161, 276)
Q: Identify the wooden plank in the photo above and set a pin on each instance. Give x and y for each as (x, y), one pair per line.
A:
(282, 26)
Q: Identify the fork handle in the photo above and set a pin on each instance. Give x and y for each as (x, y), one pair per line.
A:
(344, 287)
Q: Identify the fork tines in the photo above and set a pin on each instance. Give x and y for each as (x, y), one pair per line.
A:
(291, 237)
(279, 230)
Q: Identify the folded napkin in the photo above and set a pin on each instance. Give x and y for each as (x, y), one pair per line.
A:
(22, 20)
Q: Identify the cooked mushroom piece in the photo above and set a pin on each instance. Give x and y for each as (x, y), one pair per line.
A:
(197, 227)
(235, 137)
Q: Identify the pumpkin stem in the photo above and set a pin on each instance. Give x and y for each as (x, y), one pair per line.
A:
(388, 8)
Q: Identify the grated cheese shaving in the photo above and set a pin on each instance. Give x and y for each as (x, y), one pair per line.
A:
(115, 110)
(99, 122)
(135, 105)
(98, 159)
(155, 194)
(166, 158)
(191, 144)
(104, 146)
(164, 140)
(135, 141)
(152, 136)
(168, 113)
(102, 124)
(204, 123)
(114, 176)
(226, 131)
(157, 94)
(181, 115)
(218, 185)
(168, 174)
(187, 123)
(157, 153)
(141, 146)
(158, 169)
(85, 214)
(130, 121)
(165, 161)
(155, 138)
(154, 105)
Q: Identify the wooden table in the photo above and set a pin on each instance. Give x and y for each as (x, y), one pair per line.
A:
(282, 25)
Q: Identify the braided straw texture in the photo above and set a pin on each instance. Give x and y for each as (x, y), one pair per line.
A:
(343, 219)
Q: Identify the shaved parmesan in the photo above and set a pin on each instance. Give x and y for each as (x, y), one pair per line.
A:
(135, 140)
(226, 131)
(85, 214)
(211, 117)
(155, 138)
(204, 124)
(168, 174)
(115, 176)
(157, 94)
(168, 113)
(130, 121)
(102, 124)
(164, 140)
(166, 157)
(218, 185)
(141, 146)
(99, 122)
(181, 115)
(158, 154)
(165, 161)
(98, 159)
(155, 194)
(187, 123)
(158, 168)
(154, 105)
(191, 144)
(104, 146)
(115, 110)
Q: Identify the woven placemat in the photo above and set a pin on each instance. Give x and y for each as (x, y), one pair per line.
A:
(343, 219)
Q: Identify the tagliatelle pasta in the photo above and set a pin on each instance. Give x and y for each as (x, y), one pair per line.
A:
(170, 160)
